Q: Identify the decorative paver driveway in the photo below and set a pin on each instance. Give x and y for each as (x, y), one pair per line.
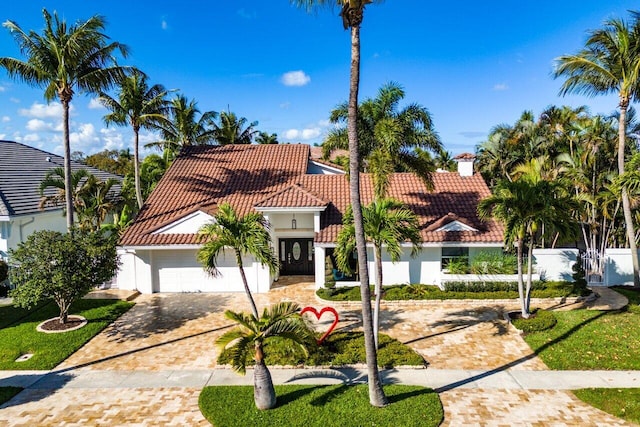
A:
(177, 332)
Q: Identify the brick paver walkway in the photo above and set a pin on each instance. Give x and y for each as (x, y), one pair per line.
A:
(176, 332)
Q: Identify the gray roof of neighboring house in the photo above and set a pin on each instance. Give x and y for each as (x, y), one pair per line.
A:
(22, 169)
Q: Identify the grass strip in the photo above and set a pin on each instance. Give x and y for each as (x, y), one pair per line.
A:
(622, 403)
(50, 349)
(326, 406)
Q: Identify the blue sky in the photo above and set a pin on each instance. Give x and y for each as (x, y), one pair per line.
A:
(473, 65)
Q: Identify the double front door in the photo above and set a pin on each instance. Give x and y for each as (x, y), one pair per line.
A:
(296, 257)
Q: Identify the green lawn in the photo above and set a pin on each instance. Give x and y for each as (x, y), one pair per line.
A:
(50, 349)
(623, 403)
(326, 406)
(587, 339)
(6, 393)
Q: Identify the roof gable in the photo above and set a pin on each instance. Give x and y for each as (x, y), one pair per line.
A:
(293, 196)
(188, 224)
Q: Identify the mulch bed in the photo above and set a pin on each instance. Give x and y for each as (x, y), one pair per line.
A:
(55, 325)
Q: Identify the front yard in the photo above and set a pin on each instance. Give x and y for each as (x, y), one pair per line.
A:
(18, 335)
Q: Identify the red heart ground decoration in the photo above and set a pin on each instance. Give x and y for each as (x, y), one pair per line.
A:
(319, 315)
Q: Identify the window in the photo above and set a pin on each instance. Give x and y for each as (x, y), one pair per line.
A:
(454, 254)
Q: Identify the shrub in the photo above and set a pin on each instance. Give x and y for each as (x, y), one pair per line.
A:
(458, 266)
(579, 281)
(540, 320)
(491, 262)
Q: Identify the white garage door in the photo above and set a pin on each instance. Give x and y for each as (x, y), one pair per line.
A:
(179, 271)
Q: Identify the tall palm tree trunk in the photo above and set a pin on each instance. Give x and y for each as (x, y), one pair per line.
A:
(527, 292)
(68, 199)
(626, 206)
(378, 292)
(254, 309)
(523, 305)
(376, 394)
(136, 166)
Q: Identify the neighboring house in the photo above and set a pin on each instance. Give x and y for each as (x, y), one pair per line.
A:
(303, 199)
(22, 169)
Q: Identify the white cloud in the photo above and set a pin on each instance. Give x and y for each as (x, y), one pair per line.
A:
(295, 78)
(111, 139)
(42, 111)
(85, 138)
(164, 24)
(500, 86)
(31, 138)
(2, 88)
(37, 125)
(3, 135)
(285, 105)
(302, 134)
(247, 14)
(95, 104)
(6, 119)
(14, 100)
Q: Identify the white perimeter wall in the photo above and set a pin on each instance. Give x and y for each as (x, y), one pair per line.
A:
(555, 264)
(618, 267)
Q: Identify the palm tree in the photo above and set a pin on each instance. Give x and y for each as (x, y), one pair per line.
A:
(232, 129)
(266, 138)
(524, 206)
(140, 106)
(248, 234)
(387, 223)
(92, 199)
(352, 14)
(610, 63)
(65, 60)
(389, 139)
(184, 128)
(281, 320)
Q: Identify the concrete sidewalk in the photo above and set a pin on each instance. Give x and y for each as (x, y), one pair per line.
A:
(439, 379)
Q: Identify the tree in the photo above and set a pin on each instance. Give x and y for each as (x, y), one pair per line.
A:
(281, 320)
(140, 106)
(92, 198)
(248, 234)
(610, 63)
(352, 14)
(387, 223)
(231, 129)
(63, 267)
(184, 128)
(390, 140)
(524, 206)
(117, 162)
(266, 138)
(64, 60)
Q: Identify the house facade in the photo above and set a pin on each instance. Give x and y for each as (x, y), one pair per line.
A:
(303, 200)
(22, 169)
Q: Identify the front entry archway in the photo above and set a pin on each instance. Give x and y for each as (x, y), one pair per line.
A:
(296, 257)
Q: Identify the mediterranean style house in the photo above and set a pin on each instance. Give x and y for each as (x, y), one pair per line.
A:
(22, 169)
(304, 200)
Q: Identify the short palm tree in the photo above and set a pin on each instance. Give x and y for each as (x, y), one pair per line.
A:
(388, 223)
(140, 106)
(524, 206)
(248, 234)
(281, 320)
(610, 63)
(65, 60)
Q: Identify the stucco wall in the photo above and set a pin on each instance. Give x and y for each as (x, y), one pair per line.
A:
(555, 264)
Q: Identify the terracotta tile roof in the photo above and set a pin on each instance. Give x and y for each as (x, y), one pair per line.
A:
(465, 156)
(275, 176)
(291, 197)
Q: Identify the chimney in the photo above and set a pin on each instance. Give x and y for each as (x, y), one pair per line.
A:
(465, 163)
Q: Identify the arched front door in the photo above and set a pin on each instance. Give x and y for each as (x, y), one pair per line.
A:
(296, 257)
